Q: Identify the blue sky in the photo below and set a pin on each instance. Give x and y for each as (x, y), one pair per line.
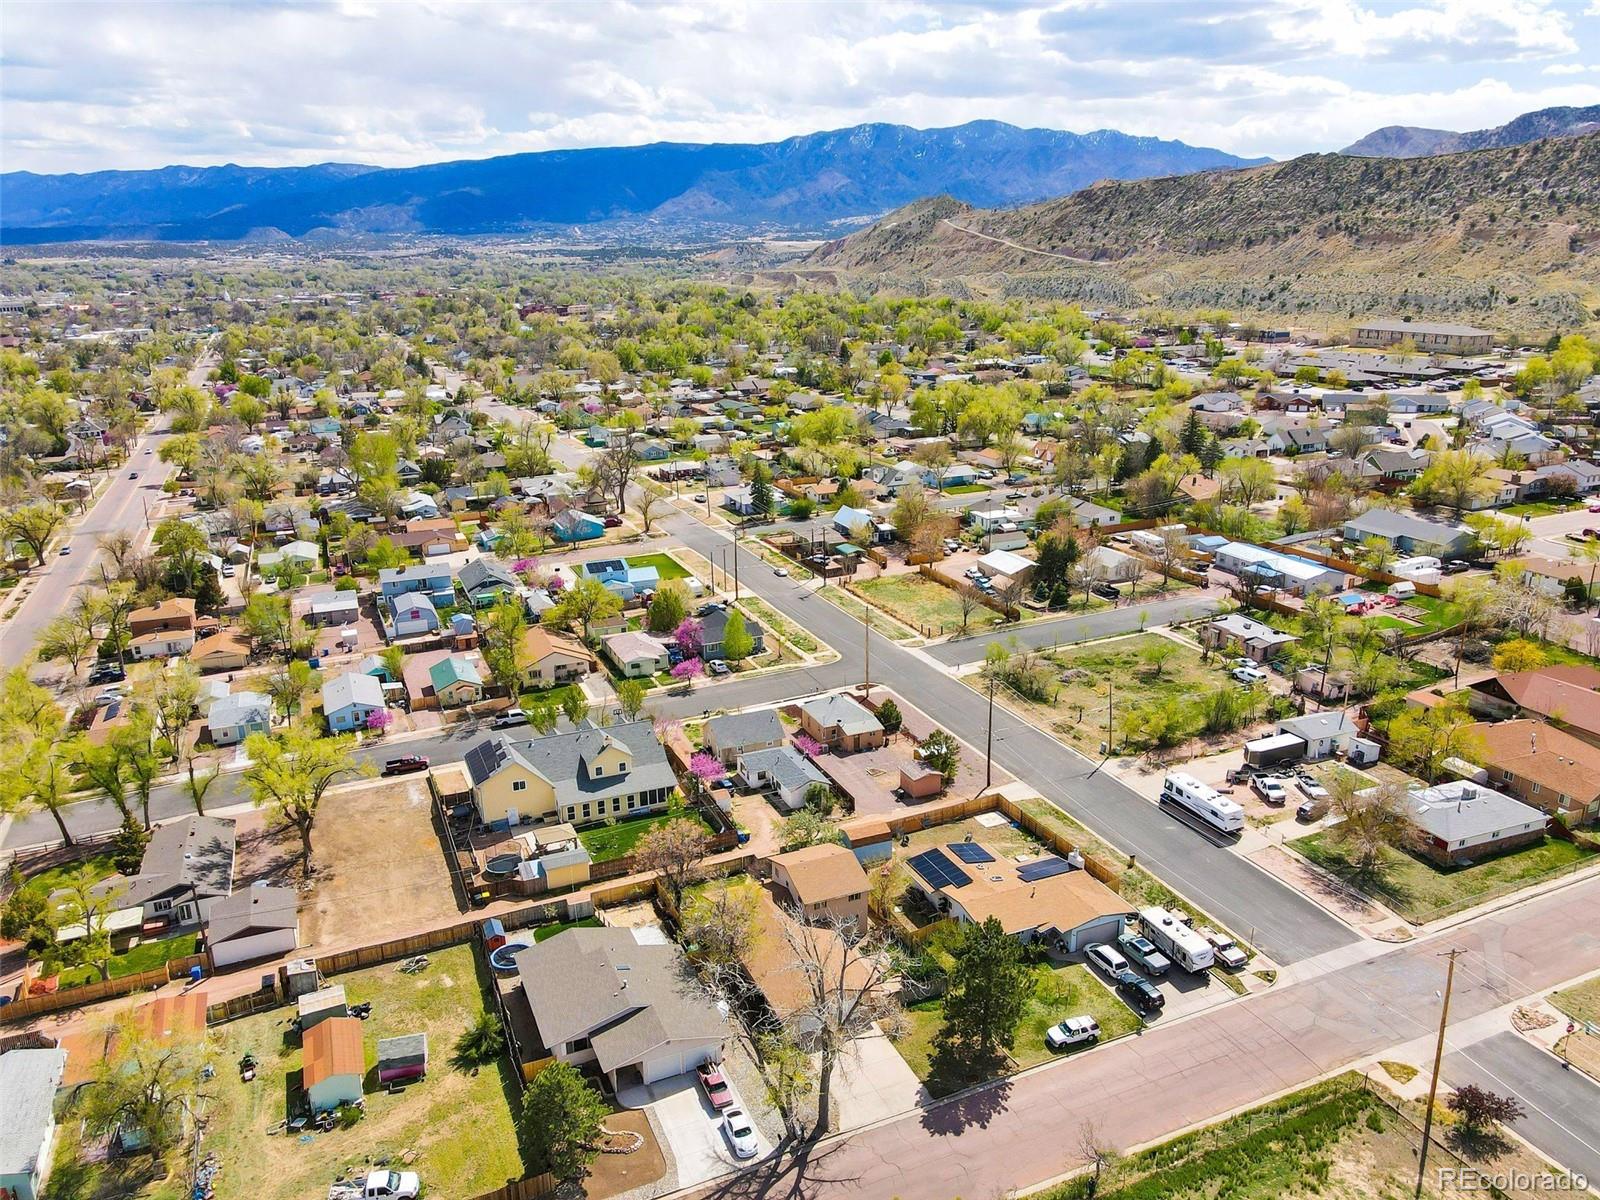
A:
(128, 85)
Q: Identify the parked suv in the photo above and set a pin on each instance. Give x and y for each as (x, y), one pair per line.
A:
(1141, 993)
(1071, 1032)
(1143, 951)
(510, 720)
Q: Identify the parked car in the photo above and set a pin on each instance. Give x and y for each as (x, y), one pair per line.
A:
(107, 698)
(1310, 788)
(1105, 591)
(1143, 951)
(511, 720)
(1595, 507)
(107, 673)
(1313, 810)
(717, 667)
(1270, 789)
(379, 1185)
(406, 764)
(1456, 566)
(1248, 675)
(712, 1082)
(699, 497)
(1225, 949)
(1141, 993)
(1071, 1032)
(1107, 959)
(229, 570)
(780, 572)
(611, 522)
(741, 1133)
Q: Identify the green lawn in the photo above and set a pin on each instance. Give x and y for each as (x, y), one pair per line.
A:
(920, 602)
(1059, 992)
(455, 1128)
(146, 956)
(550, 695)
(966, 489)
(1539, 508)
(605, 842)
(1581, 1003)
(545, 932)
(99, 866)
(666, 566)
(1420, 891)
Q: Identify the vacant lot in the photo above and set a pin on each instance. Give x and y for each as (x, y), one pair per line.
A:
(379, 871)
(1420, 891)
(1581, 1003)
(1337, 1140)
(455, 1128)
(1124, 676)
(920, 603)
(1058, 993)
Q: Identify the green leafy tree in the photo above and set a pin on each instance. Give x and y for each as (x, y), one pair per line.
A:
(145, 1084)
(561, 1116)
(668, 607)
(584, 602)
(290, 772)
(989, 988)
(942, 752)
(736, 640)
(630, 698)
(503, 630)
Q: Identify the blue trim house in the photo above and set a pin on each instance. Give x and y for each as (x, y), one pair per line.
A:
(435, 582)
(571, 525)
(627, 582)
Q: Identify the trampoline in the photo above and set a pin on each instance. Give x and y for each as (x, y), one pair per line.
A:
(502, 866)
(502, 957)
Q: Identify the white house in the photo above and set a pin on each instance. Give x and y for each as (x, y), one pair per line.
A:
(255, 923)
(28, 1083)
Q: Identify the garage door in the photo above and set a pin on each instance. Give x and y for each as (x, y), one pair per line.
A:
(672, 1063)
(1095, 931)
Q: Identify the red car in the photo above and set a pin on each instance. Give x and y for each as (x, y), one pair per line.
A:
(406, 764)
(611, 522)
(714, 1085)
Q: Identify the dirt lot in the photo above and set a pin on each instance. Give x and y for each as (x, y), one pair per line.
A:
(378, 869)
(870, 777)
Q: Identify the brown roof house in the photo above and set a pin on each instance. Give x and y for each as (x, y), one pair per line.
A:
(620, 999)
(163, 630)
(1543, 766)
(824, 883)
(225, 650)
(841, 724)
(554, 659)
(1568, 696)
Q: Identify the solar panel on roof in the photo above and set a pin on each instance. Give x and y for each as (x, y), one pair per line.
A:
(938, 871)
(970, 852)
(1043, 869)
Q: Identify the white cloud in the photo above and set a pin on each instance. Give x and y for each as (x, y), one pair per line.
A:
(86, 86)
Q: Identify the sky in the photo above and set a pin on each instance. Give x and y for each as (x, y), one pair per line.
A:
(93, 86)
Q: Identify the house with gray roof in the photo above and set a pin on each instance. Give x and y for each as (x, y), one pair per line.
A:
(28, 1081)
(485, 581)
(1461, 822)
(733, 734)
(621, 999)
(582, 776)
(783, 772)
(1409, 534)
(1324, 733)
(237, 715)
(348, 700)
(187, 867)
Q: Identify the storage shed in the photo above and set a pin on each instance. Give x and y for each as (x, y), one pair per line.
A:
(402, 1058)
(320, 1006)
(334, 1063)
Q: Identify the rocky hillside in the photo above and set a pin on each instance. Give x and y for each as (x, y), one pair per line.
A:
(1509, 237)
(1410, 141)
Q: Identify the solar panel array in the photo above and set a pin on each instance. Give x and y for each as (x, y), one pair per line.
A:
(970, 852)
(1045, 868)
(938, 871)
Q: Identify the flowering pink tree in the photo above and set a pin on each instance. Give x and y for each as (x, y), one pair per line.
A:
(690, 637)
(667, 729)
(555, 584)
(808, 745)
(705, 767)
(525, 567)
(379, 720)
(688, 670)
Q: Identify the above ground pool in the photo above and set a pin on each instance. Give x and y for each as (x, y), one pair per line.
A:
(501, 866)
(501, 958)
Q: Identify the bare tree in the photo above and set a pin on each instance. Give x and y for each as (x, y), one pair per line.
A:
(971, 602)
(846, 994)
(1097, 1151)
(676, 851)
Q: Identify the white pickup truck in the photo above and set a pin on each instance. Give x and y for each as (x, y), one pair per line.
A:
(379, 1185)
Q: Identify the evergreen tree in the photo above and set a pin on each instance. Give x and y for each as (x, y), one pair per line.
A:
(989, 989)
(761, 492)
(1194, 434)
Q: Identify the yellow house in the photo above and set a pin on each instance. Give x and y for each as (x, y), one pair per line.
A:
(581, 777)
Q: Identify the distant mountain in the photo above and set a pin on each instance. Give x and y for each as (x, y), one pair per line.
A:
(804, 182)
(1507, 237)
(1409, 141)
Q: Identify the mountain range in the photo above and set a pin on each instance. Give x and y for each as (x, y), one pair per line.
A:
(801, 183)
(1412, 141)
(1507, 236)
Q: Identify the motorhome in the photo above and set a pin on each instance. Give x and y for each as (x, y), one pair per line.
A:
(1188, 793)
(1176, 940)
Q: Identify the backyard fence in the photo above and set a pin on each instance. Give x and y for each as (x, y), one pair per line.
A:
(406, 947)
(100, 989)
(531, 1188)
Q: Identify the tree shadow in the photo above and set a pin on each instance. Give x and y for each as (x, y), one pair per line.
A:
(956, 1069)
(795, 1170)
(1478, 1144)
(1375, 879)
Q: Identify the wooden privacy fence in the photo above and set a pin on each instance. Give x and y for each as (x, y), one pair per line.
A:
(1351, 568)
(382, 952)
(531, 1188)
(101, 989)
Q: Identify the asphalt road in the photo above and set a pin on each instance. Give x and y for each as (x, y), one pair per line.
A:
(1019, 1132)
(1038, 635)
(1563, 1105)
(1283, 924)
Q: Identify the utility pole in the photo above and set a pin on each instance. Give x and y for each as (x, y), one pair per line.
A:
(988, 750)
(1438, 1056)
(733, 552)
(1109, 744)
(866, 645)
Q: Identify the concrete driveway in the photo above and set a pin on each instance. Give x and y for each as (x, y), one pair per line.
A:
(872, 1082)
(693, 1131)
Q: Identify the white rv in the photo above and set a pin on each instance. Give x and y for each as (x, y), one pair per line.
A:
(1211, 806)
(1176, 940)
